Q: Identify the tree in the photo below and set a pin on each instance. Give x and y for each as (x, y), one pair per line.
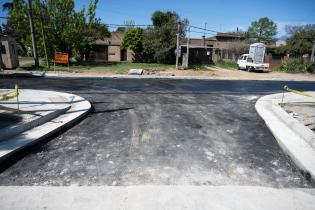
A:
(263, 30)
(133, 40)
(301, 39)
(156, 43)
(160, 40)
(66, 29)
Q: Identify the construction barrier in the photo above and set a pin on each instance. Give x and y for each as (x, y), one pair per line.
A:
(286, 88)
(10, 95)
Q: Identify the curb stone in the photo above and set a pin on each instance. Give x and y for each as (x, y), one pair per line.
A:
(293, 137)
(79, 107)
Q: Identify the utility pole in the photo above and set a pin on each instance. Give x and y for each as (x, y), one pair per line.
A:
(1, 62)
(44, 40)
(177, 44)
(313, 53)
(188, 40)
(30, 15)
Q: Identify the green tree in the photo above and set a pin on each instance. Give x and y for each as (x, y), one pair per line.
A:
(301, 39)
(66, 29)
(161, 38)
(133, 40)
(263, 30)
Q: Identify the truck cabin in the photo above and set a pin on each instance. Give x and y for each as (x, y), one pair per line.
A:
(246, 57)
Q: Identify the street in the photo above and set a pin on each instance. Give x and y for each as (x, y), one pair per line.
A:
(159, 132)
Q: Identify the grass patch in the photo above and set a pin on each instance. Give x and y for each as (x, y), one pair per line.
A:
(198, 67)
(226, 64)
(111, 67)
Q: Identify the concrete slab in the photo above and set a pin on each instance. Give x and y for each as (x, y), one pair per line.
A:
(135, 71)
(69, 109)
(34, 109)
(156, 197)
(294, 138)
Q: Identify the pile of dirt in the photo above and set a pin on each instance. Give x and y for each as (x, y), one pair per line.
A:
(303, 112)
(151, 71)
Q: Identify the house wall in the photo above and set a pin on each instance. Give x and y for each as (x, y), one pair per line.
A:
(226, 50)
(114, 53)
(130, 55)
(9, 53)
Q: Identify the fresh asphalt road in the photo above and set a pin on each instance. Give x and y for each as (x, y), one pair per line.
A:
(160, 132)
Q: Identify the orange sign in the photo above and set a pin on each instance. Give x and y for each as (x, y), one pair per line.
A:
(61, 57)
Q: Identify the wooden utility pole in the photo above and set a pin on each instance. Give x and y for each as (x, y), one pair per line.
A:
(44, 40)
(177, 45)
(188, 42)
(1, 62)
(313, 53)
(30, 15)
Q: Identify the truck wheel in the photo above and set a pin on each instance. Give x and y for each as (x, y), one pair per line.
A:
(248, 69)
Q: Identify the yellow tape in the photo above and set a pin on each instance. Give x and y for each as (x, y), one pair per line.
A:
(9, 95)
(286, 88)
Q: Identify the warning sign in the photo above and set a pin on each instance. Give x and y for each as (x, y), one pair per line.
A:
(61, 58)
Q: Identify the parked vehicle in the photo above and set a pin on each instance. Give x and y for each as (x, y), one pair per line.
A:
(254, 61)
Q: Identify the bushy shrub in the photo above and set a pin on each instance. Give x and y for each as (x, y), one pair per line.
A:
(295, 65)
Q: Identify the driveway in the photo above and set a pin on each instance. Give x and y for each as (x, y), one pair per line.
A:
(160, 132)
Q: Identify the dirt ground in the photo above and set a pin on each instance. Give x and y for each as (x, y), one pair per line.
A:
(215, 72)
(303, 112)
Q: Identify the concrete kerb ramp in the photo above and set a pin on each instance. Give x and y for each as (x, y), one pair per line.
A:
(56, 110)
(297, 140)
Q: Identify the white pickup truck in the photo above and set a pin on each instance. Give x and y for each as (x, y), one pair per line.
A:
(254, 61)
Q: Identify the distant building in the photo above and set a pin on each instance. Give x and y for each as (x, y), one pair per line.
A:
(280, 43)
(224, 46)
(109, 49)
(9, 56)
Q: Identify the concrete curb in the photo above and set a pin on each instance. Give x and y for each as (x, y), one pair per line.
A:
(73, 75)
(156, 197)
(78, 108)
(293, 137)
(119, 76)
(17, 129)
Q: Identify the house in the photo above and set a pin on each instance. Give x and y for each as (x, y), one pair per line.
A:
(109, 49)
(280, 43)
(8, 51)
(224, 46)
(228, 46)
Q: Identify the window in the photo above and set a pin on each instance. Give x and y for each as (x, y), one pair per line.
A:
(245, 57)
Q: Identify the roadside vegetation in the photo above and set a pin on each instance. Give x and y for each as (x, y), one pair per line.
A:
(295, 65)
(198, 67)
(226, 64)
(101, 67)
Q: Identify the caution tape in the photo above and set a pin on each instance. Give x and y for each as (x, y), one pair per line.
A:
(286, 88)
(10, 95)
